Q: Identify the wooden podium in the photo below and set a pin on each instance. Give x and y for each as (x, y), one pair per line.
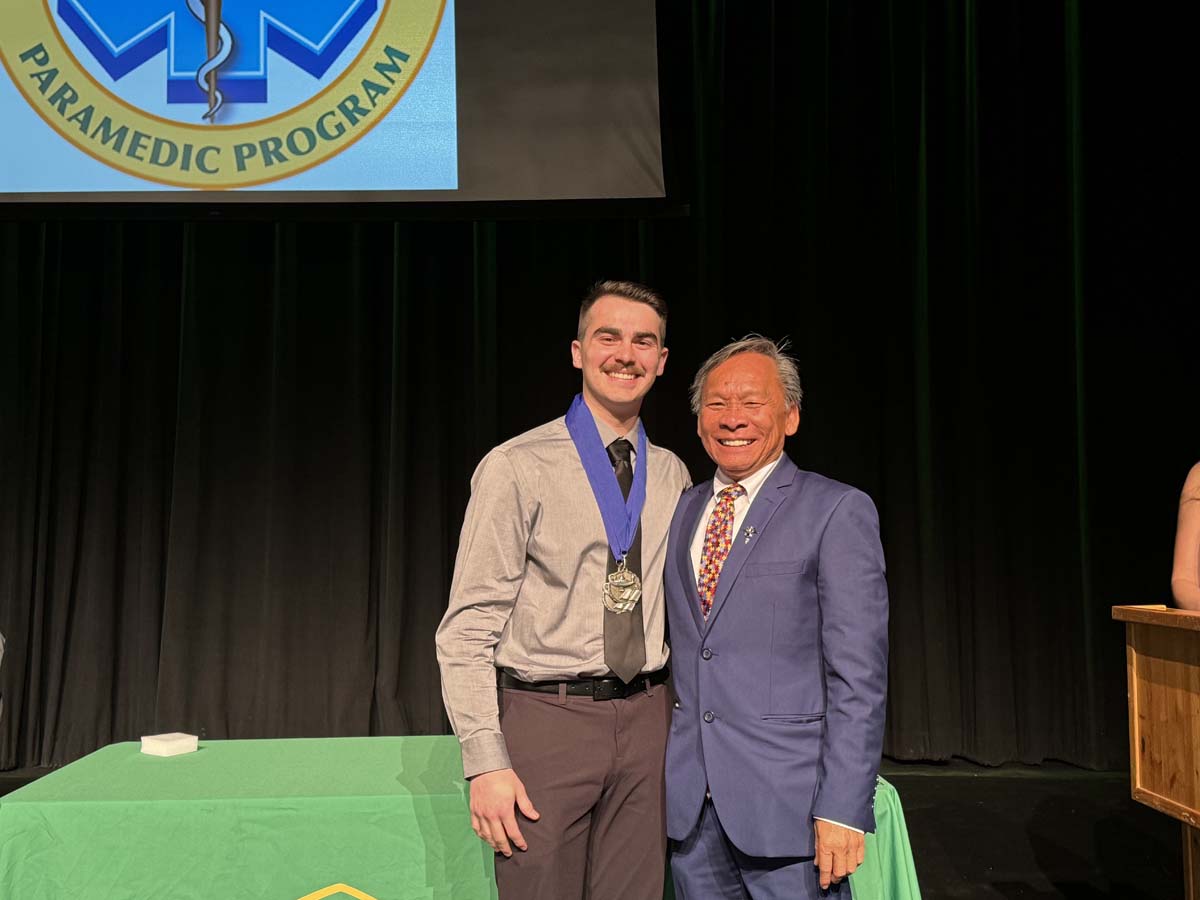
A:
(1162, 659)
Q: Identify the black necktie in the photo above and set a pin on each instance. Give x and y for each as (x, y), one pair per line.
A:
(624, 633)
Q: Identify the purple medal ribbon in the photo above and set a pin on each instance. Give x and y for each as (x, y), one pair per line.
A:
(621, 516)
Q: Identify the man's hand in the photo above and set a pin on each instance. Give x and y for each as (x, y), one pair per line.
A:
(840, 851)
(493, 796)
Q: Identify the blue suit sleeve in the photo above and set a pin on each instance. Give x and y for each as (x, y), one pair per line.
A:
(852, 593)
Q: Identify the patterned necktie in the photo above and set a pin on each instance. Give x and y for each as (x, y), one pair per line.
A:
(718, 538)
(625, 633)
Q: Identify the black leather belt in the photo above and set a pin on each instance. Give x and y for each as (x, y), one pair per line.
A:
(611, 688)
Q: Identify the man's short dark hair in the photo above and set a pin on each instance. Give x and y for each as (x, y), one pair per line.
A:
(629, 290)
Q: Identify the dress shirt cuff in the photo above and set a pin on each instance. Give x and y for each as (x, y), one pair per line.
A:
(832, 822)
(484, 753)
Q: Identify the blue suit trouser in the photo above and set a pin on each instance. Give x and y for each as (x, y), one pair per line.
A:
(707, 866)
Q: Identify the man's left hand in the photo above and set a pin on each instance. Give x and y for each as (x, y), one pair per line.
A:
(840, 851)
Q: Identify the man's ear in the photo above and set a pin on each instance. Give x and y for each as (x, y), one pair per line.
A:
(662, 361)
(793, 421)
(577, 354)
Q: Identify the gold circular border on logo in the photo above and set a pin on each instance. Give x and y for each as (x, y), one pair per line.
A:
(404, 24)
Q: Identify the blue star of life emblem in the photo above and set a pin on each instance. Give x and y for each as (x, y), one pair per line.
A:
(216, 49)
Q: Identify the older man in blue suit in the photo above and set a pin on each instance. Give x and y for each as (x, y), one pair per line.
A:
(778, 618)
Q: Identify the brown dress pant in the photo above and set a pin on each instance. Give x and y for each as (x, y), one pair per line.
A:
(594, 770)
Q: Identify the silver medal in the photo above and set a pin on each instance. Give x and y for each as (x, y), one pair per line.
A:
(622, 590)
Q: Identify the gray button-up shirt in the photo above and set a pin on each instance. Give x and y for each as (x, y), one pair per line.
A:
(531, 566)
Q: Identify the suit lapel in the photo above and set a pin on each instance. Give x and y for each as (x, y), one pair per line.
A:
(773, 491)
(688, 522)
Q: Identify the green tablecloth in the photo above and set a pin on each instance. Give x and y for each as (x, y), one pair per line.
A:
(259, 820)
(365, 818)
(887, 872)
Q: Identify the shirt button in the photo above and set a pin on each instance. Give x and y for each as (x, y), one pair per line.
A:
(677, 704)
(706, 653)
(708, 716)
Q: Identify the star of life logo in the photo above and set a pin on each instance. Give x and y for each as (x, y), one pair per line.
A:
(215, 94)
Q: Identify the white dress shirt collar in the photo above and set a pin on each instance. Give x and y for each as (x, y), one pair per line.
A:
(608, 434)
(751, 482)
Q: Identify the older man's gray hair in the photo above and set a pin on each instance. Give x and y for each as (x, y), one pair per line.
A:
(789, 373)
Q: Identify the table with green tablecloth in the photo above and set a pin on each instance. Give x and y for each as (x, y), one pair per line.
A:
(261, 820)
(380, 818)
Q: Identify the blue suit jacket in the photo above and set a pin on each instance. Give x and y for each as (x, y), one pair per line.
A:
(781, 692)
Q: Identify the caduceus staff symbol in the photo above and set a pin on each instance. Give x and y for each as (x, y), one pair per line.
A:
(218, 42)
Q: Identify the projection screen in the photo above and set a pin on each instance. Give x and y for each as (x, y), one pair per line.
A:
(328, 100)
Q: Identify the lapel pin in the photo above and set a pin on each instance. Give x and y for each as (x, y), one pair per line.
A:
(750, 532)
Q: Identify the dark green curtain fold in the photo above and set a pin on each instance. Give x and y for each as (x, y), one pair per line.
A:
(234, 455)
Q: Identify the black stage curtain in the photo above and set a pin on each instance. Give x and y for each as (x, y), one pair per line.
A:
(234, 454)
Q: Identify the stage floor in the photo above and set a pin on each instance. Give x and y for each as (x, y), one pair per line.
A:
(1034, 831)
(1013, 832)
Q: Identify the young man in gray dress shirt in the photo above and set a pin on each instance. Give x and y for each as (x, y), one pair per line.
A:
(565, 757)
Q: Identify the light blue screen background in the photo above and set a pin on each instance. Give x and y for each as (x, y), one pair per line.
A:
(415, 147)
